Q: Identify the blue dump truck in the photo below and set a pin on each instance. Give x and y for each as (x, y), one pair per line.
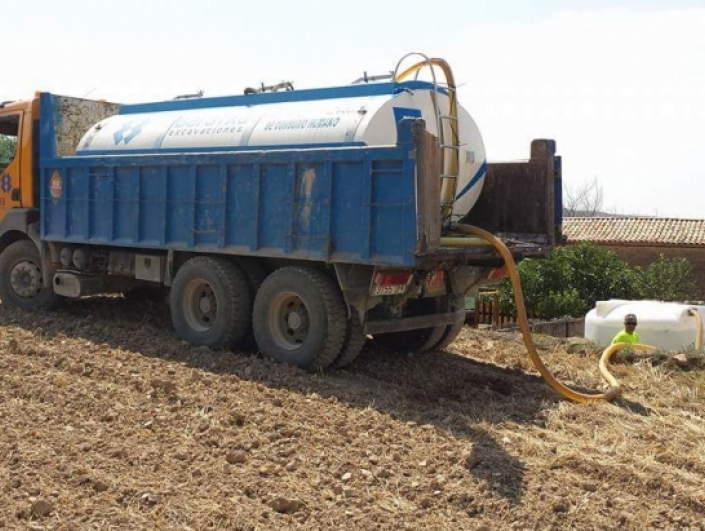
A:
(302, 222)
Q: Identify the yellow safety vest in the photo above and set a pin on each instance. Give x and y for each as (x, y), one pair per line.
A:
(626, 337)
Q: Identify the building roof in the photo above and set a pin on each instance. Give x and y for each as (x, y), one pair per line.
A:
(636, 231)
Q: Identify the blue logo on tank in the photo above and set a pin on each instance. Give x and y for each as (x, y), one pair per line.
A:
(129, 131)
(404, 112)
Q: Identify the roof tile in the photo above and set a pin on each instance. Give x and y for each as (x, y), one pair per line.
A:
(635, 230)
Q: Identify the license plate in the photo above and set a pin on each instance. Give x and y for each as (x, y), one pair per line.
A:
(388, 290)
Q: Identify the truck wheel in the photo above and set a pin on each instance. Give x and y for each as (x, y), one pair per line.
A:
(210, 302)
(299, 318)
(425, 339)
(451, 333)
(21, 278)
(255, 273)
(420, 340)
(354, 341)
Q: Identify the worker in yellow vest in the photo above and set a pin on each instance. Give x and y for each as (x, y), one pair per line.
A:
(628, 335)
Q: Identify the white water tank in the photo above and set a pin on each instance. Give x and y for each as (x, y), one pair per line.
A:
(666, 325)
(363, 115)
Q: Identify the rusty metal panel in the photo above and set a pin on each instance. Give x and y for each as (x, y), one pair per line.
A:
(73, 117)
(518, 199)
(428, 190)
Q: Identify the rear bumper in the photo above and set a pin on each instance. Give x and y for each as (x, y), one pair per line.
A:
(480, 257)
(412, 323)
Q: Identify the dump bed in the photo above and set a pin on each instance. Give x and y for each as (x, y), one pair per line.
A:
(352, 204)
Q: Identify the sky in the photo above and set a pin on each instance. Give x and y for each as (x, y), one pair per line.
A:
(619, 84)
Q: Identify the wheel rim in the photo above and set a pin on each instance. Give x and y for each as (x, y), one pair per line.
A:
(289, 321)
(200, 305)
(26, 279)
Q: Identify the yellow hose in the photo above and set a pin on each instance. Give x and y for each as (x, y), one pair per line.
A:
(567, 392)
(484, 238)
(454, 164)
(614, 387)
(526, 332)
(460, 241)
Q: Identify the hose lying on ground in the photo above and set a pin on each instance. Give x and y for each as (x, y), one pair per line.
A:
(614, 387)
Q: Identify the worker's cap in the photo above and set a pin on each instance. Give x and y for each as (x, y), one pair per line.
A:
(630, 318)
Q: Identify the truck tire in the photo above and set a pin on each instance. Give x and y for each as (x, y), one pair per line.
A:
(255, 273)
(414, 341)
(21, 278)
(418, 340)
(299, 318)
(452, 331)
(425, 339)
(354, 341)
(210, 302)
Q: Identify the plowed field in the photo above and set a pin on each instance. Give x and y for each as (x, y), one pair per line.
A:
(110, 422)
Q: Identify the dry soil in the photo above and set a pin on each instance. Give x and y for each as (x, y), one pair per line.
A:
(110, 422)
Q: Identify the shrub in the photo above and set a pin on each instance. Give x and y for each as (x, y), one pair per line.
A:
(571, 280)
(668, 279)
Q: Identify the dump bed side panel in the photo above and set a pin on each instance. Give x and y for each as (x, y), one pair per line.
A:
(354, 205)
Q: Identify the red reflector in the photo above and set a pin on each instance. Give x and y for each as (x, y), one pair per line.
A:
(436, 281)
(392, 279)
(498, 273)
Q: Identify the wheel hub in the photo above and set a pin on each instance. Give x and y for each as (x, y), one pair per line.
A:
(201, 305)
(205, 305)
(294, 321)
(26, 279)
(289, 321)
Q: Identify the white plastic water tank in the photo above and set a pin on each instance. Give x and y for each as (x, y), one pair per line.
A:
(666, 325)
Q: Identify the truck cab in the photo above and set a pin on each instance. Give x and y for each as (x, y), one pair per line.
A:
(21, 280)
(16, 157)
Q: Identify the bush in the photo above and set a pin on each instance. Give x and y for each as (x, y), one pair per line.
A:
(669, 279)
(573, 279)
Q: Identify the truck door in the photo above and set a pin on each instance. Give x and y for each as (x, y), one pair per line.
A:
(9, 161)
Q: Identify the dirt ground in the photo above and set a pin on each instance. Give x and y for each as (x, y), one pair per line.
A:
(110, 422)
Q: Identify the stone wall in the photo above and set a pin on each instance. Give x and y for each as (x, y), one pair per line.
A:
(560, 328)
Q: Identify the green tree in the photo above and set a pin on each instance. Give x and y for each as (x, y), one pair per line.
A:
(574, 278)
(8, 145)
(668, 279)
(571, 280)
